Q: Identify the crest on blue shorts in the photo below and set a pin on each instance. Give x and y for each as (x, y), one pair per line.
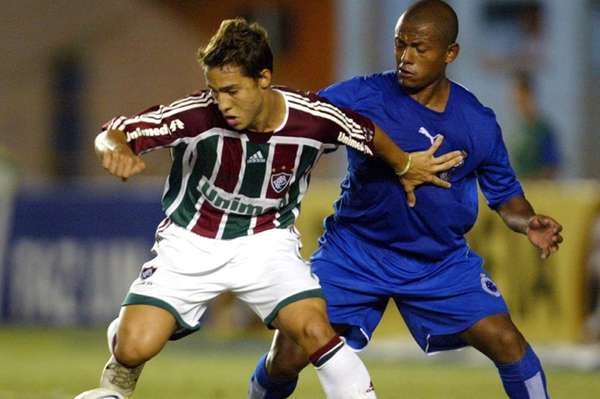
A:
(488, 285)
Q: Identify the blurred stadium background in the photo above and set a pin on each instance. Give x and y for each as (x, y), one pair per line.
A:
(72, 239)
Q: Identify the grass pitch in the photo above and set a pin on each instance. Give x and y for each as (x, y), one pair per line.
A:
(58, 364)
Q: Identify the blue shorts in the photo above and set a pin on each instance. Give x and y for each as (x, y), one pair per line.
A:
(436, 300)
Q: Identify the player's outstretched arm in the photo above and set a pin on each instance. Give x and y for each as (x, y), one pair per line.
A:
(425, 166)
(415, 168)
(543, 231)
(116, 156)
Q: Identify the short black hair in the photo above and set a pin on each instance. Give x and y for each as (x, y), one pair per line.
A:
(440, 13)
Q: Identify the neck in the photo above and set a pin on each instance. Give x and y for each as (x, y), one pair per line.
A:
(272, 114)
(434, 96)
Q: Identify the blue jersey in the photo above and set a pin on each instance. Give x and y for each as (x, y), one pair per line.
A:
(372, 203)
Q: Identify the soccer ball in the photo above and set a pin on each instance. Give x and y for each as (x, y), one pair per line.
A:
(100, 393)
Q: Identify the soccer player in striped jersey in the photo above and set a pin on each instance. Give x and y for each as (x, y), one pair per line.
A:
(377, 248)
(242, 156)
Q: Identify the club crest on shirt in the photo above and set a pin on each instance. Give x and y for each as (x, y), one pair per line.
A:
(279, 181)
(488, 285)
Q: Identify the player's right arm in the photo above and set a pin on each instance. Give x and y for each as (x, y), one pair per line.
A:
(116, 156)
(124, 139)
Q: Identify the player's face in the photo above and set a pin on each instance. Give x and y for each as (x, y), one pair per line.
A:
(421, 54)
(239, 97)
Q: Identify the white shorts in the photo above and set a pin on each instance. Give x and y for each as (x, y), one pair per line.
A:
(264, 270)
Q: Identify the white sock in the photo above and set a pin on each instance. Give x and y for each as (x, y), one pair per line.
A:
(120, 378)
(115, 376)
(344, 376)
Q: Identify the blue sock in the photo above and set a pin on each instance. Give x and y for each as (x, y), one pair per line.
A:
(524, 379)
(275, 388)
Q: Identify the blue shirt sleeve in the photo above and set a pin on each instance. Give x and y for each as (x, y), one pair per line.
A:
(342, 94)
(495, 175)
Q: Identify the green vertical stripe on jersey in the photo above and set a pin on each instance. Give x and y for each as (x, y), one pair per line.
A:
(236, 226)
(307, 160)
(174, 176)
(252, 181)
(255, 172)
(204, 165)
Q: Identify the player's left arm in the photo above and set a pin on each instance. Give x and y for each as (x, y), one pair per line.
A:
(504, 193)
(543, 231)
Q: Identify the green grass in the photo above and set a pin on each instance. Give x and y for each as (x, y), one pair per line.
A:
(56, 364)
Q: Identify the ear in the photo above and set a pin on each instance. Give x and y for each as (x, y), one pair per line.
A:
(264, 79)
(452, 52)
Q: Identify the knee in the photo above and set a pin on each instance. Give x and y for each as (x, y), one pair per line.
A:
(311, 335)
(318, 332)
(305, 322)
(510, 346)
(134, 346)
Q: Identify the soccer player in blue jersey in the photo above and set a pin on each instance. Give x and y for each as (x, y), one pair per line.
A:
(378, 247)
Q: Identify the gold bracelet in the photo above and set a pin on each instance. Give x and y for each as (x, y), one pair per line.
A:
(406, 168)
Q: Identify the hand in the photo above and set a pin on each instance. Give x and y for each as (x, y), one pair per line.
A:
(544, 233)
(119, 160)
(424, 167)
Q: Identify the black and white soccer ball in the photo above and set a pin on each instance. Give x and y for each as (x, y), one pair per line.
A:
(100, 393)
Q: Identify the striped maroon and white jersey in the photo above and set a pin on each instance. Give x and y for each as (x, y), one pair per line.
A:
(226, 183)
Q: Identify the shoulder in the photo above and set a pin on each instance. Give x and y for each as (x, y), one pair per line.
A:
(375, 81)
(468, 103)
(359, 89)
(306, 105)
(200, 102)
(198, 99)
(305, 101)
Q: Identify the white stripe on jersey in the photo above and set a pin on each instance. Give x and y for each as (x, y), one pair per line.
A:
(116, 123)
(181, 102)
(236, 189)
(213, 176)
(186, 172)
(176, 103)
(172, 144)
(303, 186)
(265, 185)
(286, 199)
(159, 117)
(322, 108)
(168, 110)
(359, 135)
(287, 111)
(156, 116)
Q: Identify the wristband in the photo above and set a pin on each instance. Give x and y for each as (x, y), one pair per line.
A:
(406, 168)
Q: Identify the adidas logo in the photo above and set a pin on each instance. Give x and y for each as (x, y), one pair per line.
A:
(257, 157)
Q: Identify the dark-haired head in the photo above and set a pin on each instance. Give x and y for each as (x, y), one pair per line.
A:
(438, 13)
(238, 43)
(425, 43)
